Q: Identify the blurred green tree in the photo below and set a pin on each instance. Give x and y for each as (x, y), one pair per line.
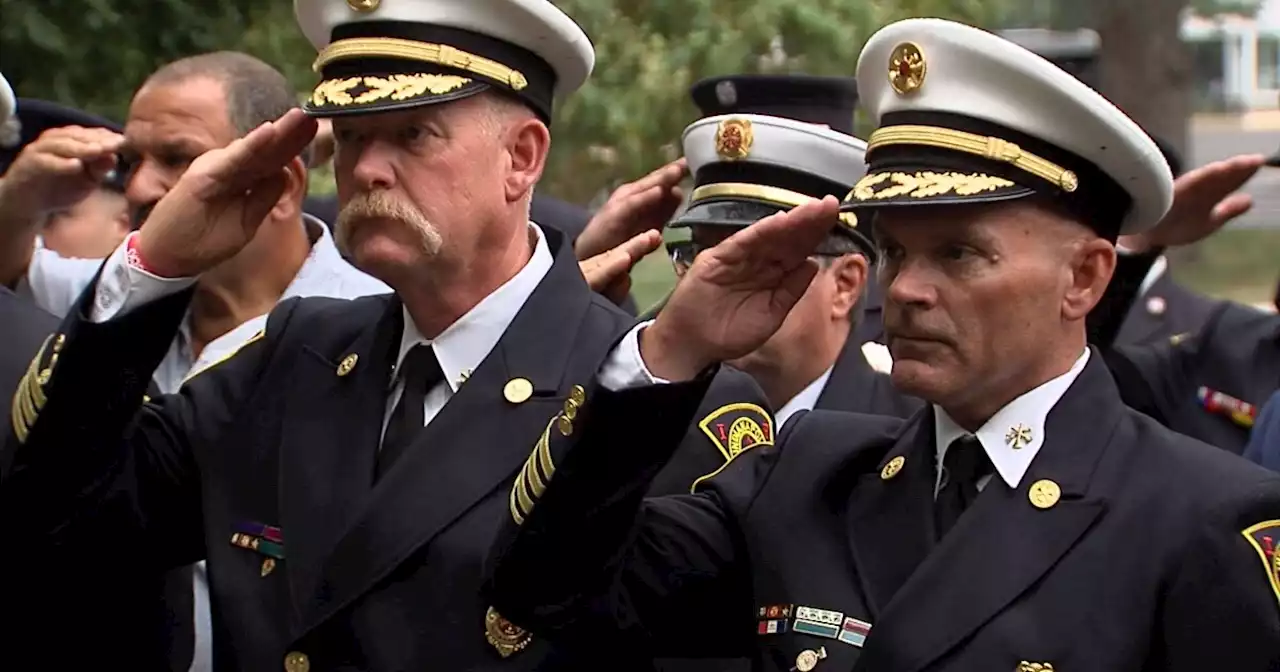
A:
(94, 53)
(626, 121)
(628, 118)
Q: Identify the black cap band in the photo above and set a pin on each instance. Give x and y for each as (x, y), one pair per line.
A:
(378, 66)
(937, 157)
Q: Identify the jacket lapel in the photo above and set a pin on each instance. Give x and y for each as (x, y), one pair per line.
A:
(846, 385)
(890, 513)
(853, 386)
(329, 442)
(1003, 544)
(476, 444)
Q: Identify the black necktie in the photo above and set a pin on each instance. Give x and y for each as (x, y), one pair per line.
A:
(420, 372)
(963, 465)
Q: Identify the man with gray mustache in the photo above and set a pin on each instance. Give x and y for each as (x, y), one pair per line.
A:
(344, 472)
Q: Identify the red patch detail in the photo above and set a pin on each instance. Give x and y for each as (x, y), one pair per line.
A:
(1262, 537)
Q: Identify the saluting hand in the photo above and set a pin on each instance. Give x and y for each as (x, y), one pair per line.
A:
(215, 208)
(644, 205)
(1204, 200)
(609, 273)
(59, 169)
(737, 294)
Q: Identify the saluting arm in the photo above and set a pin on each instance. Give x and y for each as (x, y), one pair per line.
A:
(88, 466)
(89, 469)
(584, 560)
(589, 562)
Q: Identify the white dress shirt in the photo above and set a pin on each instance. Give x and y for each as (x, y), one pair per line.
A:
(804, 400)
(55, 283)
(464, 344)
(1028, 411)
(624, 368)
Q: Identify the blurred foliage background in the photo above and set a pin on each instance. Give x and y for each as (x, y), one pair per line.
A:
(628, 119)
(94, 54)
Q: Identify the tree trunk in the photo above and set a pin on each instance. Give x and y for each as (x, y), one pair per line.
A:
(1145, 67)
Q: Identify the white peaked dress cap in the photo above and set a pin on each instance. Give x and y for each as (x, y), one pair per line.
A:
(749, 166)
(380, 55)
(964, 115)
(8, 101)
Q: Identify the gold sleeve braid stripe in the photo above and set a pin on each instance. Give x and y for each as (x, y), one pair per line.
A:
(539, 461)
(29, 397)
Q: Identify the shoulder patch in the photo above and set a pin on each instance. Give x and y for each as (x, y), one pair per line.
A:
(735, 428)
(1264, 538)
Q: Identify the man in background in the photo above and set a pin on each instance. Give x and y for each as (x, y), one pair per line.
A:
(92, 227)
(25, 326)
(818, 359)
(183, 110)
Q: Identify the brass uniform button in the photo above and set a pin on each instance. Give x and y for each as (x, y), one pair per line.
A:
(893, 467)
(297, 662)
(1044, 494)
(348, 363)
(518, 390)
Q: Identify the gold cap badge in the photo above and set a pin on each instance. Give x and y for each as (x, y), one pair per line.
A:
(348, 363)
(504, 635)
(1044, 494)
(907, 68)
(734, 138)
(518, 390)
(893, 467)
(363, 5)
(297, 662)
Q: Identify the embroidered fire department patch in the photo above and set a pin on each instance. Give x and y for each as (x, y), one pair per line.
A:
(1264, 537)
(735, 428)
